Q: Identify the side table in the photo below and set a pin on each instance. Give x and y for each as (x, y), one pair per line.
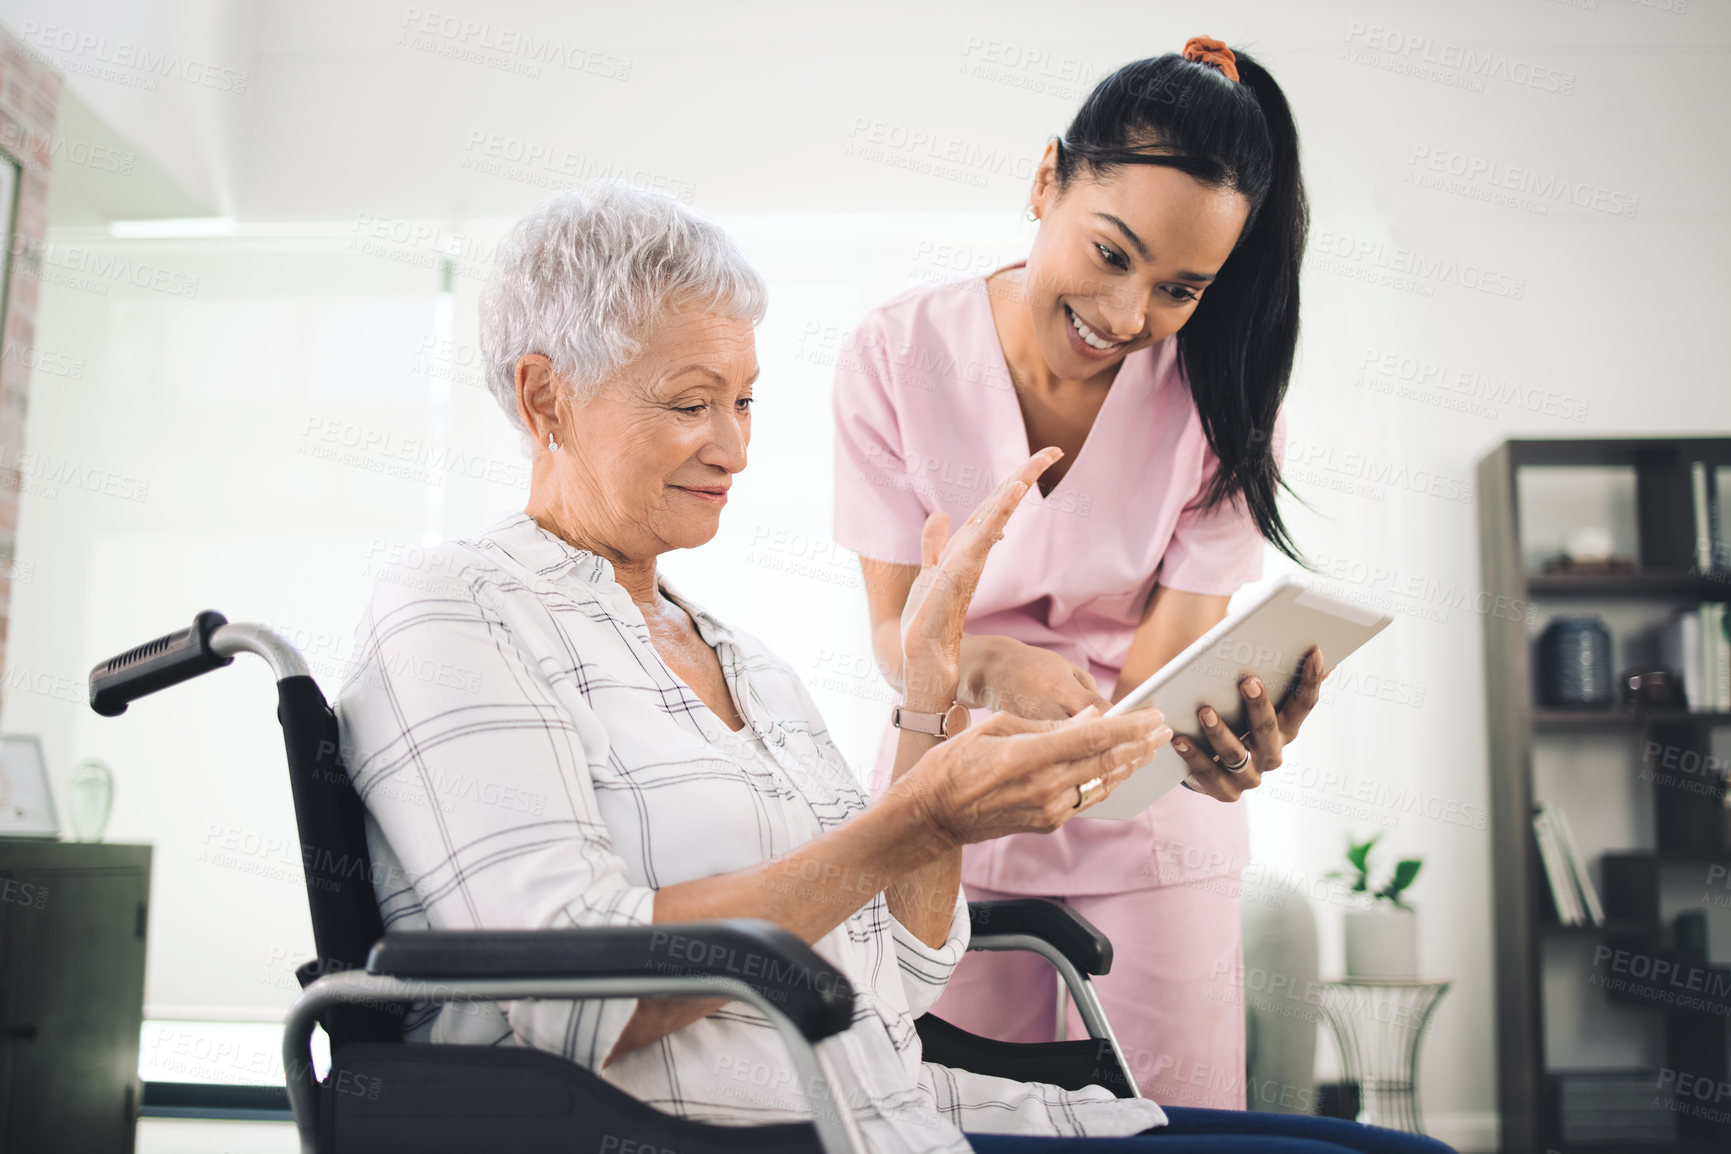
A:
(1378, 1025)
(73, 917)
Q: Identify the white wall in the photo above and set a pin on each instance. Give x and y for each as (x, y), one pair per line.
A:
(1593, 323)
(173, 77)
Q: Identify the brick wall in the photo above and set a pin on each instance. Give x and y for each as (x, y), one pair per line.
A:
(29, 98)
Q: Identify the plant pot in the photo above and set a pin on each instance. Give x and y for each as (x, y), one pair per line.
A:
(1382, 942)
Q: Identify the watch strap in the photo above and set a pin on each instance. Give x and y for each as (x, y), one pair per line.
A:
(932, 724)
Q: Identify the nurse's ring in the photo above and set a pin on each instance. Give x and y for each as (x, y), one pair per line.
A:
(1089, 792)
(1237, 766)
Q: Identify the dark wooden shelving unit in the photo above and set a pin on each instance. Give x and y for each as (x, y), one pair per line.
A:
(1524, 919)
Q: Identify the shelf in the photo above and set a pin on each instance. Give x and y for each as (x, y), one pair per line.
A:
(1679, 585)
(1671, 856)
(1683, 1145)
(1611, 926)
(1604, 452)
(1680, 857)
(1562, 720)
(1710, 1000)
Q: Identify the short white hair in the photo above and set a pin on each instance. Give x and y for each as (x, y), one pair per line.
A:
(583, 278)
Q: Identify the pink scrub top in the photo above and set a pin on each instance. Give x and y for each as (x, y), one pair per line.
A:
(926, 418)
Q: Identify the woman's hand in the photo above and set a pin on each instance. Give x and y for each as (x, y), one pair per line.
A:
(1216, 747)
(1013, 775)
(1010, 676)
(950, 568)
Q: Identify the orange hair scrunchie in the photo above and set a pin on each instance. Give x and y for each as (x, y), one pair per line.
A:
(1204, 50)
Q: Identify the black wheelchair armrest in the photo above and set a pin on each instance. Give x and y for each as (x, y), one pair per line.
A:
(777, 964)
(1067, 931)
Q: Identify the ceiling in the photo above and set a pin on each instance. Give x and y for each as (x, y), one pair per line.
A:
(333, 110)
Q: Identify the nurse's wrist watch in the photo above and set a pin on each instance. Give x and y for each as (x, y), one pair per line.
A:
(939, 725)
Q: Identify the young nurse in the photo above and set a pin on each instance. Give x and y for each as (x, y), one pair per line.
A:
(1149, 335)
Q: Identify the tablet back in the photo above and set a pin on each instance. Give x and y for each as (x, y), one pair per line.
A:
(1268, 637)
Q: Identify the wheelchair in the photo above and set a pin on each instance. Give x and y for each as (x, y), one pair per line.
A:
(381, 1095)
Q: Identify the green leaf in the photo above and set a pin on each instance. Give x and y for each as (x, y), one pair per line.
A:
(1404, 873)
(1358, 853)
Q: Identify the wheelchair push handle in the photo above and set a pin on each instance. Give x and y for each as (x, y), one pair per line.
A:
(169, 660)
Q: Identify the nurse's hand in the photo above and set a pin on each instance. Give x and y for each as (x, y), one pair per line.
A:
(1010, 676)
(1214, 747)
(950, 568)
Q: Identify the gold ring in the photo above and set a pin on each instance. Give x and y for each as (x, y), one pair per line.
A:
(1089, 792)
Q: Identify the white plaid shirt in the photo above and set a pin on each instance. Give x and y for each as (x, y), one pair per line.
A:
(527, 760)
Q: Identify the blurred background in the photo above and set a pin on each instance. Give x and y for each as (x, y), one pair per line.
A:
(241, 373)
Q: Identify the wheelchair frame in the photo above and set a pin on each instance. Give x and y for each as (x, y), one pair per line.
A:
(468, 966)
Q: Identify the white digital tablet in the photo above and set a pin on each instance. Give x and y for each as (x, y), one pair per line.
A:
(1269, 637)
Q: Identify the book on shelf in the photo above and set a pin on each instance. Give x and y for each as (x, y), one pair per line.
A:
(1615, 1106)
(1695, 644)
(1707, 487)
(1716, 655)
(1577, 862)
(1701, 503)
(1565, 898)
(1707, 493)
(1716, 526)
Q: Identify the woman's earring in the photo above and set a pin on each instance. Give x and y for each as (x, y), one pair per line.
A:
(552, 445)
(1032, 215)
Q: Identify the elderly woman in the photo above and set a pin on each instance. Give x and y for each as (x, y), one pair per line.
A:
(626, 758)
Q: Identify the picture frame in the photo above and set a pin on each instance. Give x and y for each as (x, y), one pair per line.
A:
(26, 801)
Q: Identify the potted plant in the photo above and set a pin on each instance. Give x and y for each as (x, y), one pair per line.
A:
(1381, 938)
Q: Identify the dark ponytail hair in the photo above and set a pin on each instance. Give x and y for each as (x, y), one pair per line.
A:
(1237, 347)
